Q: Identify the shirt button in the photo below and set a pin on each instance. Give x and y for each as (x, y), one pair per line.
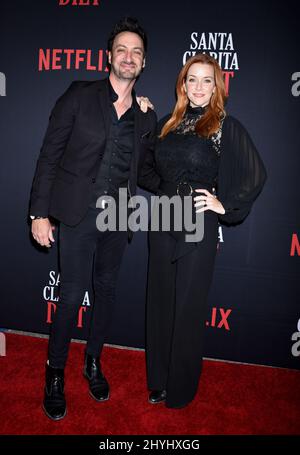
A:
(109, 180)
(105, 191)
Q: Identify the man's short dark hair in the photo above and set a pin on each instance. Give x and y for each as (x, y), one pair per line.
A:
(127, 24)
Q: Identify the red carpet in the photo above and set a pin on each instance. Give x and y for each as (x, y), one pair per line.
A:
(232, 398)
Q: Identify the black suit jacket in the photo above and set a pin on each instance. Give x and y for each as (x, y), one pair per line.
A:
(72, 151)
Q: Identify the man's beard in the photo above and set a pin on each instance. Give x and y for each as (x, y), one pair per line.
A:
(127, 74)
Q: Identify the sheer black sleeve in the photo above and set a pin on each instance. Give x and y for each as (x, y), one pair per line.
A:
(242, 173)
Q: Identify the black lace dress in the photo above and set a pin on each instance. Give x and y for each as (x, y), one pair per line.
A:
(183, 156)
(227, 161)
(179, 283)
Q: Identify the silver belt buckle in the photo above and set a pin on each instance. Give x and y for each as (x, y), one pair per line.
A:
(186, 185)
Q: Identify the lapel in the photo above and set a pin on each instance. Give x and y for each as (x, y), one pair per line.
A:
(103, 98)
(137, 130)
(138, 124)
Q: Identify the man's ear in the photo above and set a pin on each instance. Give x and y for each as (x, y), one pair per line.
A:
(144, 63)
(109, 57)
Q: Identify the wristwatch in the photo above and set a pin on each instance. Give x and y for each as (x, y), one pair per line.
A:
(33, 217)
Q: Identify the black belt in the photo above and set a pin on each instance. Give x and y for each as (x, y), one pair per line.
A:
(184, 188)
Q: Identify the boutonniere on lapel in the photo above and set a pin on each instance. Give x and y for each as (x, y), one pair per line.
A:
(144, 103)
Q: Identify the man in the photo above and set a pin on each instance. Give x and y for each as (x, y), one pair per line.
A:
(92, 147)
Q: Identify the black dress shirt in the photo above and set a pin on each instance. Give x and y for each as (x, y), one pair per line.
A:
(114, 168)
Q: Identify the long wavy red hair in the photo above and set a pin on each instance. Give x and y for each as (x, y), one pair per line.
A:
(209, 123)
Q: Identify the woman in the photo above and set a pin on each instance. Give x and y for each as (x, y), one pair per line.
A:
(203, 153)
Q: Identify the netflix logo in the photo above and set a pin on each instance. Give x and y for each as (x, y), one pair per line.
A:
(50, 294)
(295, 246)
(72, 59)
(78, 2)
(219, 318)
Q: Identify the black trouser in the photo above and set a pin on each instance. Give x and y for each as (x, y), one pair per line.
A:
(176, 311)
(86, 256)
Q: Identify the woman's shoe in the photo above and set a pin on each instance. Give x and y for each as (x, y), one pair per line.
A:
(157, 396)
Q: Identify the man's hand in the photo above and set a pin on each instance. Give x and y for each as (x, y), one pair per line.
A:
(41, 230)
(144, 103)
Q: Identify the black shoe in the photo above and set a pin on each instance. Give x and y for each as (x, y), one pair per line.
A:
(99, 387)
(54, 403)
(157, 396)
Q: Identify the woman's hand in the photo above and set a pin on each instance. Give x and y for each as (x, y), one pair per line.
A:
(208, 201)
(144, 103)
